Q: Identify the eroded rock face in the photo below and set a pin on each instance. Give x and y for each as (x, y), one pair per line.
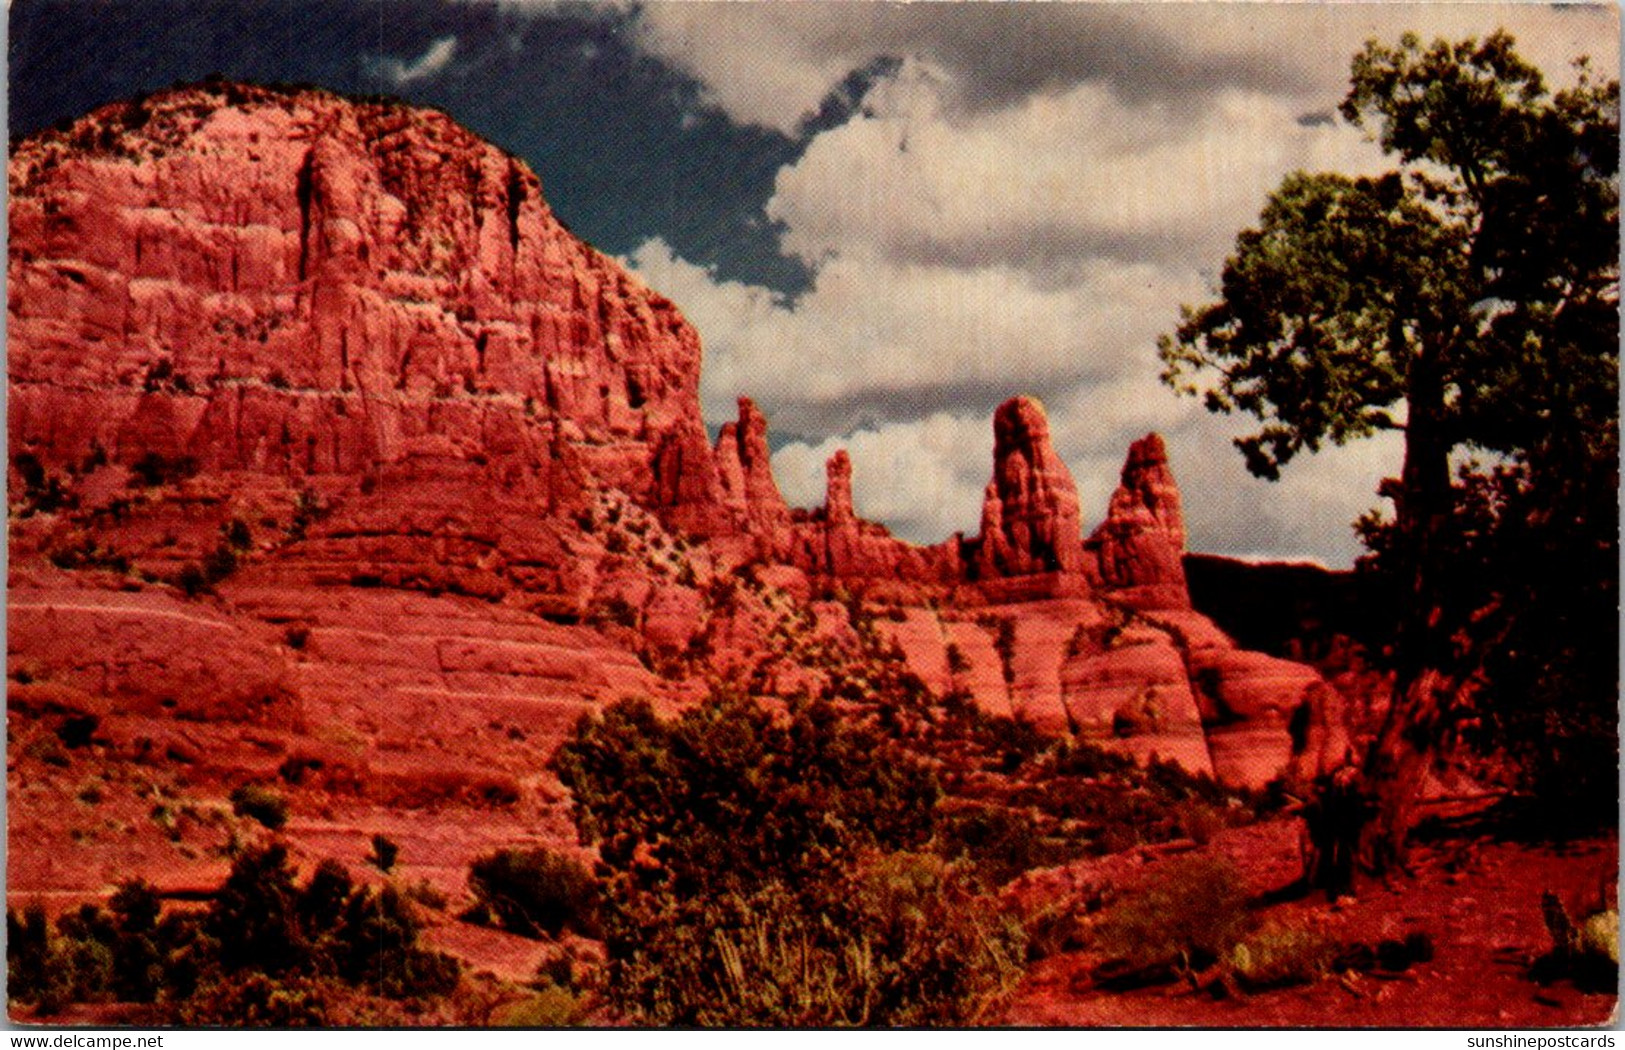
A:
(1031, 525)
(300, 284)
(838, 489)
(481, 494)
(1138, 549)
(745, 466)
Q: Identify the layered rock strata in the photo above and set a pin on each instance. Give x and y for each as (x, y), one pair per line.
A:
(325, 386)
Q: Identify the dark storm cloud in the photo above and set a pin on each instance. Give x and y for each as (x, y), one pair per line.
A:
(1050, 255)
(966, 397)
(624, 148)
(1001, 54)
(996, 54)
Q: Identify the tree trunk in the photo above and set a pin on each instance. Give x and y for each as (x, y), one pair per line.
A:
(1396, 767)
(1402, 753)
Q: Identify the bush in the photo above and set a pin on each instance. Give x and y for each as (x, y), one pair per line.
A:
(92, 957)
(1000, 843)
(759, 872)
(1278, 956)
(261, 804)
(1586, 952)
(536, 891)
(264, 924)
(256, 1000)
(1083, 759)
(1190, 915)
(255, 916)
(898, 944)
(380, 952)
(728, 796)
(385, 851)
(77, 730)
(33, 968)
(154, 469)
(137, 963)
(552, 1007)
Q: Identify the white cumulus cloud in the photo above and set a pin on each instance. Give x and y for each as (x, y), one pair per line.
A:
(434, 60)
(1019, 204)
(923, 478)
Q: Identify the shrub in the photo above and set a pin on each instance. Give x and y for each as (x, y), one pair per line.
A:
(728, 796)
(1189, 915)
(1000, 843)
(1586, 952)
(308, 508)
(1004, 642)
(385, 852)
(1277, 956)
(264, 923)
(618, 611)
(154, 469)
(380, 951)
(42, 491)
(425, 893)
(898, 944)
(1080, 758)
(255, 915)
(192, 580)
(536, 891)
(257, 1000)
(220, 563)
(137, 963)
(29, 959)
(1016, 740)
(237, 534)
(741, 850)
(552, 1007)
(261, 804)
(77, 730)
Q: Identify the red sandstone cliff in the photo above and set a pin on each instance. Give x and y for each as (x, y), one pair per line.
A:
(298, 284)
(446, 465)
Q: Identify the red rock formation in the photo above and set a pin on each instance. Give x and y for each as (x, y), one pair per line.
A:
(1031, 524)
(745, 466)
(363, 302)
(1137, 550)
(294, 283)
(833, 541)
(838, 489)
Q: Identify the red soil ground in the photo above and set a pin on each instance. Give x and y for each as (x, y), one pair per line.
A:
(1477, 899)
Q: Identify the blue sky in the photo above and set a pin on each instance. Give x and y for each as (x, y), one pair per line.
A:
(883, 219)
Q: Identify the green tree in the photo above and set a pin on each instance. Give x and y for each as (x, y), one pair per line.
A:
(1468, 300)
(137, 963)
(255, 916)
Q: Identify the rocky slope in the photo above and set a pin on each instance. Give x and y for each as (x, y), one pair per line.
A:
(324, 428)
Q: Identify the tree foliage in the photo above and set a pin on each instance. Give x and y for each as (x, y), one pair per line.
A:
(1469, 300)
